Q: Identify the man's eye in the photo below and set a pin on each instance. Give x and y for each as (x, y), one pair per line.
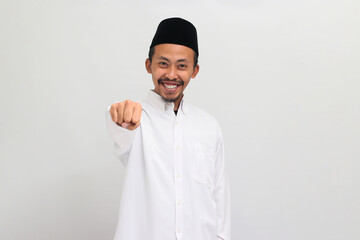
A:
(163, 64)
(182, 66)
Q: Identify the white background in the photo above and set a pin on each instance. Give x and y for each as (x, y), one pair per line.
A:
(282, 78)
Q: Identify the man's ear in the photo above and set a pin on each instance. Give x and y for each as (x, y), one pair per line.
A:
(196, 71)
(148, 65)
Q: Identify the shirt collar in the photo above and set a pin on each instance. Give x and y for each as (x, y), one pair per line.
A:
(157, 102)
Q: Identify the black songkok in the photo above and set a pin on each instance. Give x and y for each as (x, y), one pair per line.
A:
(176, 31)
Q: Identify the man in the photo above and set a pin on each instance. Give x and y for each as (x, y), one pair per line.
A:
(175, 185)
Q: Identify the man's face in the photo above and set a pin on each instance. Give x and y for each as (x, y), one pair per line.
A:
(172, 67)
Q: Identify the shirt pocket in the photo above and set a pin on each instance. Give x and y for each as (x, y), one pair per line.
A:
(204, 166)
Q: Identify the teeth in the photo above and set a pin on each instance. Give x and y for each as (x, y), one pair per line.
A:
(170, 86)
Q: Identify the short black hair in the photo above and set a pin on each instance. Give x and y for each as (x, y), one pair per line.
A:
(152, 52)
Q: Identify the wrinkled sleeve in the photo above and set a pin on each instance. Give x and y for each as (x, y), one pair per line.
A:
(222, 194)
(122, 137)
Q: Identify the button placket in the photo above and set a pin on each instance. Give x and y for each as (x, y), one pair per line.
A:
(178, 176)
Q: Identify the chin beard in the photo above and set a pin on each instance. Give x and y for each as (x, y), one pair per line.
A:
(170, 100)
(180, 83)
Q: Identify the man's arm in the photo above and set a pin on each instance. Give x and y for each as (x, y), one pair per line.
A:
(222, 195)
(122, 120)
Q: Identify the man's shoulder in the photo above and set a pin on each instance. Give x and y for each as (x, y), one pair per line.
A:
(204, 126)
(202, 115)
(195, 110)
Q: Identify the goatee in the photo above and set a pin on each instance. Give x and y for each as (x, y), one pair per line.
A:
(179, 83)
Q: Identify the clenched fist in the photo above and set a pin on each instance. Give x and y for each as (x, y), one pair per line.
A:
(126, 114)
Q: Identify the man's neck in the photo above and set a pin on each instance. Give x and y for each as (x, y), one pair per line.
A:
(177, 102)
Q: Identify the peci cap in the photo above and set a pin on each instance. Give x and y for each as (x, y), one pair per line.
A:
(177, 31)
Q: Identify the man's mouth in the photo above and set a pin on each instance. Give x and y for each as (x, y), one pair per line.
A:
(170, 86)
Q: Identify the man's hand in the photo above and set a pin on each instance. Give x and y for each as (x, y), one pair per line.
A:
(126, 114)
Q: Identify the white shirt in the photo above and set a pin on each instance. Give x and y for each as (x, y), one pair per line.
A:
(175, 184)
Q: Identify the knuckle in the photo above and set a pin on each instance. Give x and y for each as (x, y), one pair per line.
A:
(128, 102)
(113, 108)
(120, 104)
(120, 108)
(116, 106)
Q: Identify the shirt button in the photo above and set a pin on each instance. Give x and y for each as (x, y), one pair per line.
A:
(179, 203)
(176, 123)
(178, 176)
(178, 148)
(178, 230)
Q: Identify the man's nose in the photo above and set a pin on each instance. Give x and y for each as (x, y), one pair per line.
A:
(172, 72)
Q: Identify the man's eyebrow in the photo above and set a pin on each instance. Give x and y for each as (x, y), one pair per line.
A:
(179, 60)
(182, 60)
(164, 58)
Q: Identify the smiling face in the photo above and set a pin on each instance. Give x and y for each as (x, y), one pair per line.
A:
(171, 67)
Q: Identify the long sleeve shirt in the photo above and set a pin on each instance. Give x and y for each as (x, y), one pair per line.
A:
(175, 184)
